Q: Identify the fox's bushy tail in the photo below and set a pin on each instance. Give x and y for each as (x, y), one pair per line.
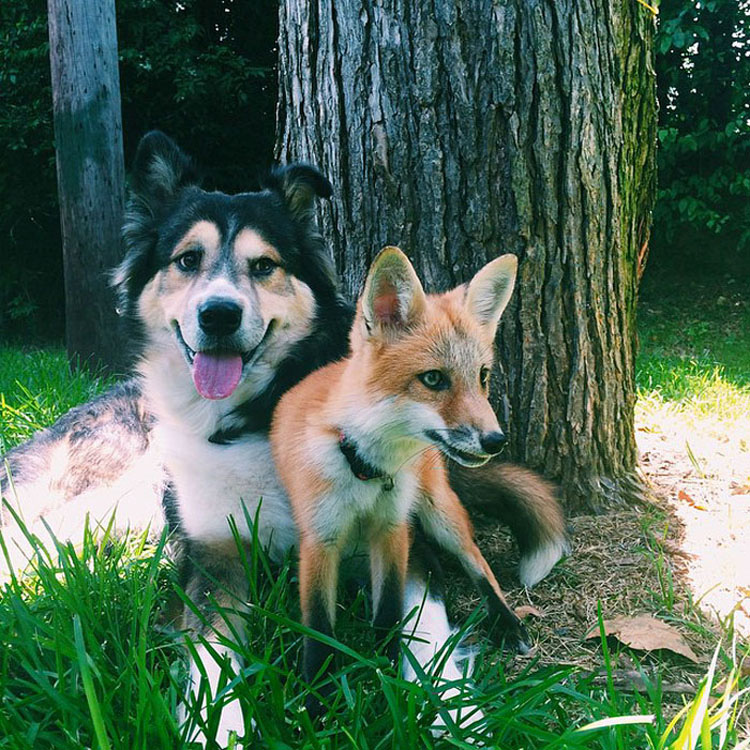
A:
(526, 503)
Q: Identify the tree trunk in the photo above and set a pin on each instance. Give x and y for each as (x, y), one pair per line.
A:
(90, 172)
(461, 129)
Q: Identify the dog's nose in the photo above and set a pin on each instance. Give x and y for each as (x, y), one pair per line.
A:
(492, 442)
(219, 317)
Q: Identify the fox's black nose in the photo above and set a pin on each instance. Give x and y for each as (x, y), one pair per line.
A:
(219, 317)
(492, 442)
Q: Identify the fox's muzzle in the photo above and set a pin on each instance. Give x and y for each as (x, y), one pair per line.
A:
(493, 442)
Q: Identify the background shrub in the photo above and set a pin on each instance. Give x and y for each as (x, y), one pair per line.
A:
(702, 215)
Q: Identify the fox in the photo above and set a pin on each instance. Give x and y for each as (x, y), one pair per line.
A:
(359, 445)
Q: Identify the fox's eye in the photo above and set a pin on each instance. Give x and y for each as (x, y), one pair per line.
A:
(189, 261)
(484, 377)
(262, 267)
(435, 380)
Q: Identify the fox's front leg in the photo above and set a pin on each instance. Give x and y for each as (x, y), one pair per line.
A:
(318, 579)
(389, 556)
(446, 520)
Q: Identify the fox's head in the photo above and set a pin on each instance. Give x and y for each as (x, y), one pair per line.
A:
(431, 355)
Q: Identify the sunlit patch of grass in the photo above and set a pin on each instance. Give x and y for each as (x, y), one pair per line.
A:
(694, 356)
(36, 387)
(696, 389)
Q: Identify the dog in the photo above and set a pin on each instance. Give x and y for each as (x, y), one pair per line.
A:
(230, 300)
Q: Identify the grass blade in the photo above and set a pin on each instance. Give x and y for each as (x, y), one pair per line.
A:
(88, 686)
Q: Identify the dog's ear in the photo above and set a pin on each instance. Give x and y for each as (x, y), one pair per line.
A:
(160, 170)
(299, 185)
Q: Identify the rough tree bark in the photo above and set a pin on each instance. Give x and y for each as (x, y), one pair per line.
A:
(461, 129)
(90, 172)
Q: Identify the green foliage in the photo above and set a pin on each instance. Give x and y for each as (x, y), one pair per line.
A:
(29, 223)
(702, 215)
(201, 70)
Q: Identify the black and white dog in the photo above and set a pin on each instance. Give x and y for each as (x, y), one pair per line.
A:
(232, 299)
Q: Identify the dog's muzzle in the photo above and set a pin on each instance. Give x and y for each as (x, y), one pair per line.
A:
(218, 370)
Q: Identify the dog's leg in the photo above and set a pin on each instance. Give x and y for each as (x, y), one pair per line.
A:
(216, 583)
(523, 501)
(430, 638)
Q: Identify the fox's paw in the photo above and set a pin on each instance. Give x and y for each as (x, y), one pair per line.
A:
(314, 707)
(508, 632)
(314, 702)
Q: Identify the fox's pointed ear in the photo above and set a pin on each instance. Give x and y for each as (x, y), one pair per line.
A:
(489, 291)
(393, 298)
(299, 185)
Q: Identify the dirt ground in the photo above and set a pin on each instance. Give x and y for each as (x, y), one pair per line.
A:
(688, 544)
(708, 494)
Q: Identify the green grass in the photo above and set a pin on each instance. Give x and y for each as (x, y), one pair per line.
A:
(37, 387)
(86, 661)
(695, 349)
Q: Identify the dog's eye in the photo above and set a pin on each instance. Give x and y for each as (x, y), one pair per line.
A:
(484, 377)
(189, 261)
(262, 267)
(435, 380)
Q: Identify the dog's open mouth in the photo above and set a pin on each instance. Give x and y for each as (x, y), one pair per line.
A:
(217, 372)
(465, 458)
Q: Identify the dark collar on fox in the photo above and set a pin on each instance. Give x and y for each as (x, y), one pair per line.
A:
(362, 469)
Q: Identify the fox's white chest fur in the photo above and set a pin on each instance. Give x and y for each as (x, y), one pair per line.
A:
(354, 508)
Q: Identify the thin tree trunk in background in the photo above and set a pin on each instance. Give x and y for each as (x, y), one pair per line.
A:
(90, 172)
(461, 129)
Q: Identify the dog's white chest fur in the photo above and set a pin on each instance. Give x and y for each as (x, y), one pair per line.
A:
(214, 482)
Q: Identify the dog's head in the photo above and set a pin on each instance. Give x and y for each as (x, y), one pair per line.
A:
(220, 287)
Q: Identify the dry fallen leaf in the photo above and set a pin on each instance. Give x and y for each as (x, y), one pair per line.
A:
(740, 489)
(645, 633)
(682, 495)
(527, 610)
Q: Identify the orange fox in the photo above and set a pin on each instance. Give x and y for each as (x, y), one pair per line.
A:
(358, 443)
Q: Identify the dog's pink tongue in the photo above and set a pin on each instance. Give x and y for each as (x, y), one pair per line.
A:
(216, 375)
